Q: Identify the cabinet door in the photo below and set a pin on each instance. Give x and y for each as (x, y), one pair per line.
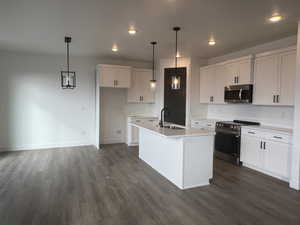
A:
(222, 80)
(107, 76)
(135, 135)
(287, 78)
(265, 80)
(245, 72)
(140, 91)
(231, 71)
(123, 77)
(277, 158)
(134, 92)
(146, 92)
(207, 84)
(251, 153)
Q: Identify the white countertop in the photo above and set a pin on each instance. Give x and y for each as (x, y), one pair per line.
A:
(172, 133)
(272, 129)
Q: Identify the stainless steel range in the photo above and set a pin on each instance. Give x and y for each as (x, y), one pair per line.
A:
(228, 139)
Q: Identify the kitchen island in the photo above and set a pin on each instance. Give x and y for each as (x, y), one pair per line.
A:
(183, 156)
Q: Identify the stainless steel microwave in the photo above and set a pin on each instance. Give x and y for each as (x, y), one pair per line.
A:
(239, 94)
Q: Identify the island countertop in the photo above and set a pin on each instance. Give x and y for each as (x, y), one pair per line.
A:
(172, 133)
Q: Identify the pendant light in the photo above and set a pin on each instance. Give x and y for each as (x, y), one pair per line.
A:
(176, 77)
(153, 81)
(68, 78)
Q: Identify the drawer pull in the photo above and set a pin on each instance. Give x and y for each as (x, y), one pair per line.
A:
(277, 137)
(209, 125)
(250, 132)
(137, 121)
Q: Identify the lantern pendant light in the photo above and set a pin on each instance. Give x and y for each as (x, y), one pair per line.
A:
(68, 78)
(176, 77)
(153, 81)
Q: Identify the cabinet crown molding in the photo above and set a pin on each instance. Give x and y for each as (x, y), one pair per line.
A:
(277, 51)
(112, 66)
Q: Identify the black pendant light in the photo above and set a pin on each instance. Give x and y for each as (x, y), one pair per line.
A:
(176, 77)
(68, 78)
(153, 81)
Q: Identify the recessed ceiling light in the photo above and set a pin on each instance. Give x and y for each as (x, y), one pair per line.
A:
(275, 18)
(114, 48)
(211, 42)
(132, 31)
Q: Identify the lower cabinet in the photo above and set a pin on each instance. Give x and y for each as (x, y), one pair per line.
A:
(133, 132)
(260, 152)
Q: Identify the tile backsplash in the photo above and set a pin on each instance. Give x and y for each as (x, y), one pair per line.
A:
(281, 116)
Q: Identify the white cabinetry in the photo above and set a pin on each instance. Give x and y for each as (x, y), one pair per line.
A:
(274, 77)
(267, 152)
(140, 91)
(114, 76)
(133, 132)
(214, 78)
(203, 123)
(207, 84)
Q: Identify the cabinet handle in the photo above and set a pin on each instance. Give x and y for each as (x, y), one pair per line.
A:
(277, 98)
(212, 98)
(261, 145)
(114, 82)
(237, 79)
(209, 125)
(264, 145)
(277, 137)
(142, 98)
(274, 98)
(250, 132)
(117, 82)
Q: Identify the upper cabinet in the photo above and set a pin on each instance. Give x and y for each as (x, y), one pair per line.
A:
(114, 76)
(274, 77)
(214, 78)
(140, 91)
(238, 71)
(207, 84)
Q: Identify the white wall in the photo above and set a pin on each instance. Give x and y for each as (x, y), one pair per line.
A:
(35, 112)
(295, 178)
(271, 115)
(114, 111)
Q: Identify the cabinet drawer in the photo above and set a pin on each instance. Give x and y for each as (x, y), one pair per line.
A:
(254, 133)
(279, 138)
(202, 124)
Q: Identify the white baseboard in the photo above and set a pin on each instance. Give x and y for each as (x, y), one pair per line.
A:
(46, 146)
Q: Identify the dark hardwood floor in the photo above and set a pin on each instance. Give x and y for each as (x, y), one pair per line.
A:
(81, 186)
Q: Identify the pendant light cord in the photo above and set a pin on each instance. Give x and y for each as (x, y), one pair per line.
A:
(68, 61)
(176, 51)
(153, 74)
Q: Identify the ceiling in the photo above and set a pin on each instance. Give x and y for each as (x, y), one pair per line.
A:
(95, 25)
